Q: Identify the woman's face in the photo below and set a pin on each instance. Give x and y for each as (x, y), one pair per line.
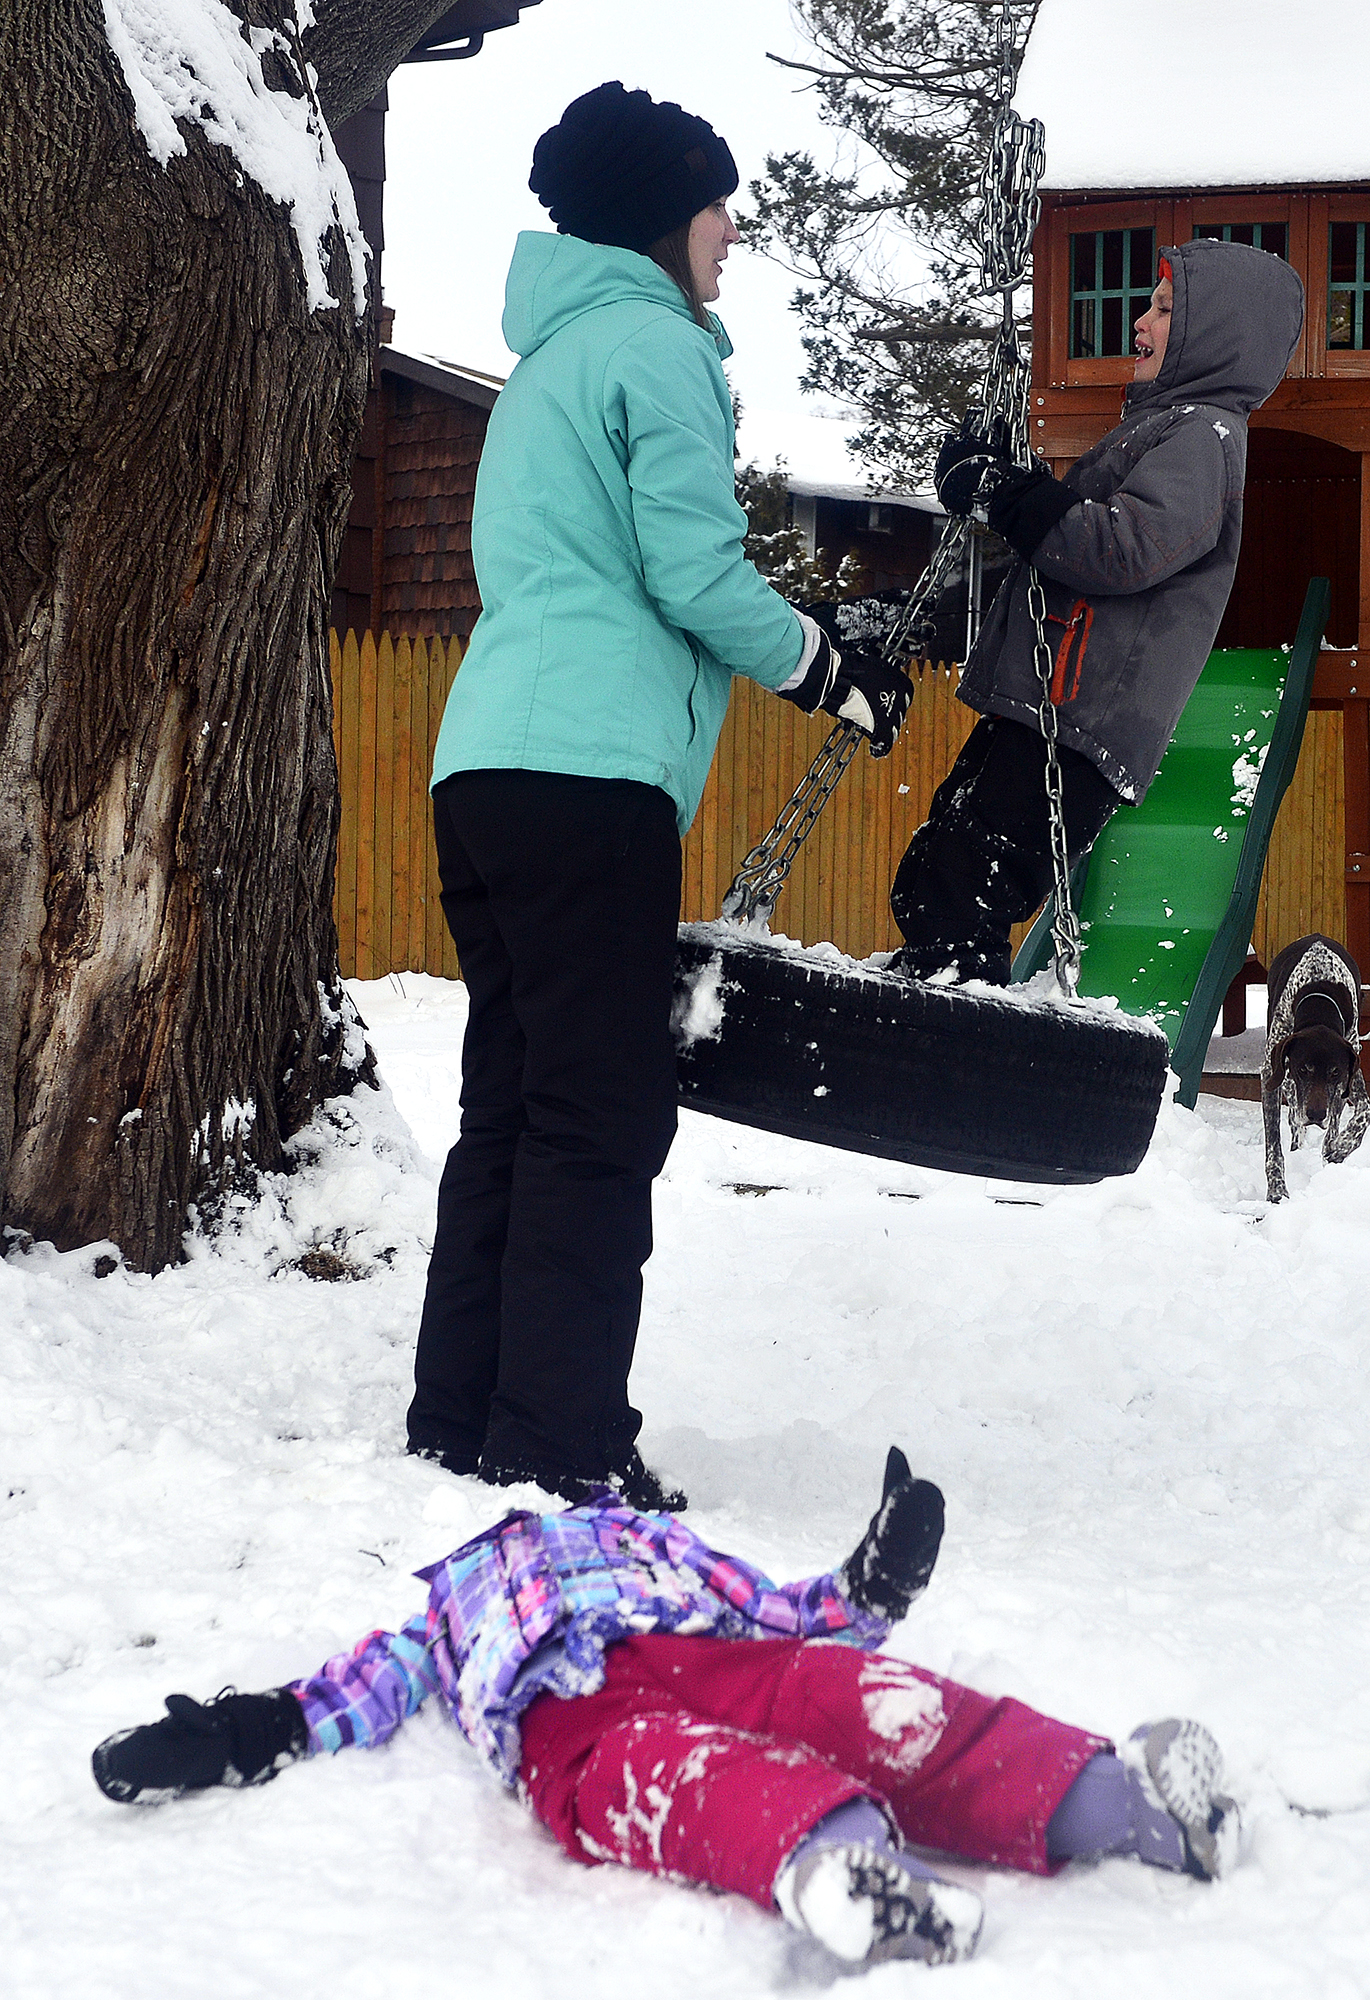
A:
(711, 236)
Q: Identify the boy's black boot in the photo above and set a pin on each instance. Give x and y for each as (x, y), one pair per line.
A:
(236, 1739)
(894, 1559)
(981, 862)
(960, 888)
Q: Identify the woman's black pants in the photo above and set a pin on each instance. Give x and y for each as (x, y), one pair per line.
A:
(562, 895)
(981, 861)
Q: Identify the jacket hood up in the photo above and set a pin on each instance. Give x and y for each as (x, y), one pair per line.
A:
(554, 279)
(1236, 318)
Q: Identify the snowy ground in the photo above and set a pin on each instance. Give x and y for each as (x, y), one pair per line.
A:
(1145, 1402)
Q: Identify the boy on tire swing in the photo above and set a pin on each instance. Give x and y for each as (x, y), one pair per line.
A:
(1136, 548)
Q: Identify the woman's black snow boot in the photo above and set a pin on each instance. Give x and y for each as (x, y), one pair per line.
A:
(635, 1481)
(236, 1739)
(894, 1559)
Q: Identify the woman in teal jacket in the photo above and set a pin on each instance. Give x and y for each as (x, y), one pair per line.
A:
(573, 751)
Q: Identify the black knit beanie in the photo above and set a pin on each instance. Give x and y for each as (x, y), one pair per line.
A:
(622, 170)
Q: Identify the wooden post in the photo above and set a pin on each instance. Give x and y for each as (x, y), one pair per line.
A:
(1356, 753)
(1356, 739)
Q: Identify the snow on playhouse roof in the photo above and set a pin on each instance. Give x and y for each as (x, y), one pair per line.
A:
(1199, 93)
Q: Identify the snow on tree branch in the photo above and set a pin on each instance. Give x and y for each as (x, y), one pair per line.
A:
(193, 62)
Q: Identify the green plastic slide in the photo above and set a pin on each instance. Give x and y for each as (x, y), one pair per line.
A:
(1167, 895)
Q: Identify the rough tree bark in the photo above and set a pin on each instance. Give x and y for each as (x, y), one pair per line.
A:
(176, 432)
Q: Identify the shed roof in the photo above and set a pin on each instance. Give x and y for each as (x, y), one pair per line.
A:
(825, 489)
(1199, 93)
(468, 385)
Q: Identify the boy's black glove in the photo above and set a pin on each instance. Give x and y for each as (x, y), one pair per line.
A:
(856, 687)
(976, 473)
(1024, 505)
(972, 460)
(236, 1739)
(894, 1559)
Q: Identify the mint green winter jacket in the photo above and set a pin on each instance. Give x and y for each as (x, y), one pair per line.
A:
(607, 539)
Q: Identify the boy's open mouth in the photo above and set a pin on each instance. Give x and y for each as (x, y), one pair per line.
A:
(1143, 351)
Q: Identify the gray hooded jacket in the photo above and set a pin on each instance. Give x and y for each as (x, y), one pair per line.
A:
(1137, 574)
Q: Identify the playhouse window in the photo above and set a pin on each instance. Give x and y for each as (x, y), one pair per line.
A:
(1346, 285)
(1271, 236)
(1111, 276)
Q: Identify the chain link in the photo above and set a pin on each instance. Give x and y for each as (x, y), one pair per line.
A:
(1008, 216)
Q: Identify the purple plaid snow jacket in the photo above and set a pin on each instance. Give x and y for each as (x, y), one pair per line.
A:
(530, 1607)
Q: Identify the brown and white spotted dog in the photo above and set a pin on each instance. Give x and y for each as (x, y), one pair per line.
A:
(1312, 1054)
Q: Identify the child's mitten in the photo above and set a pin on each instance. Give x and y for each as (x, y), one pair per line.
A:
(1025, 505)
(894, 1559)
(236, 1739)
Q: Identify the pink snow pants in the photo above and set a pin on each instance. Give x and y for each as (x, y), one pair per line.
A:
(709, 1759)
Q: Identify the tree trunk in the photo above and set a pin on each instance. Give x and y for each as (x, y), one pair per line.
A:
(176, 434)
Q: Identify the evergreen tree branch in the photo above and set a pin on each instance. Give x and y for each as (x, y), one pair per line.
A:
(915, 84)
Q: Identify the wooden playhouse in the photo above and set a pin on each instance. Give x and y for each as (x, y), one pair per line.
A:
(1236, 120)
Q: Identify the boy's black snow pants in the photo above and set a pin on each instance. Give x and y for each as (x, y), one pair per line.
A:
(562, 895)
(981, 861)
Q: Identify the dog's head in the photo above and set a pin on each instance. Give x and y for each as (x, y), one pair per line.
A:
(1316, 1065)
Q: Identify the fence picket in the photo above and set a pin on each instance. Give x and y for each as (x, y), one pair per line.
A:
(401, 805)
(420, 812)
(433, 927)
(347, 728)
(383, 850)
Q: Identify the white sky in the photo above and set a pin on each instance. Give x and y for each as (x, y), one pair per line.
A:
(460, 140)
(1188, 93)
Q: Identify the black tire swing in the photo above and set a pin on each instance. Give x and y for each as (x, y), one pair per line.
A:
(1043, 1089)
(936, 1076)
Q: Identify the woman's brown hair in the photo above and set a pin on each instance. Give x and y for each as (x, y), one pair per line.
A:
(672, 253)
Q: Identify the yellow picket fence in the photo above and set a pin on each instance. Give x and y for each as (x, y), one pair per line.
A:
(387, 705)
(388, 698)
(1304, 885)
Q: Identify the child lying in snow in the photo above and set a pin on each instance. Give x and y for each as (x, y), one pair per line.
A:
(592, 1656)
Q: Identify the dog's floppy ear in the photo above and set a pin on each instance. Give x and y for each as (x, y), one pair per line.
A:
(1276, 1056)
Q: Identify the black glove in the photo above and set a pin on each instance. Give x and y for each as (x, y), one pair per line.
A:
(971, 460)
(1025, 504)
(236, 1739)
(856, 687)
(894, 1559)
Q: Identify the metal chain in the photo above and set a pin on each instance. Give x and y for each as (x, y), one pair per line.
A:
(761, 877)
(1065, 924)
(1008, 217)
(757, 884)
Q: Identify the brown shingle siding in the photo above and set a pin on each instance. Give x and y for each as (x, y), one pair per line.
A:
(433, 444)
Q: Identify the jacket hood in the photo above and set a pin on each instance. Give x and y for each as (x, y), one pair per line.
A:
(554, 279)
(1237, 315)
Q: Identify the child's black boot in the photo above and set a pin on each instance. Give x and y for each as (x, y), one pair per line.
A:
(894, 1559)
(235, 1739)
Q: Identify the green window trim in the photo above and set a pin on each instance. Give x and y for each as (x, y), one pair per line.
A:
(1111, 279)
(1347, 285)
(1269, 236)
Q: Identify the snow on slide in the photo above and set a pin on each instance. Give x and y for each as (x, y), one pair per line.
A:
(1144, 1400)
